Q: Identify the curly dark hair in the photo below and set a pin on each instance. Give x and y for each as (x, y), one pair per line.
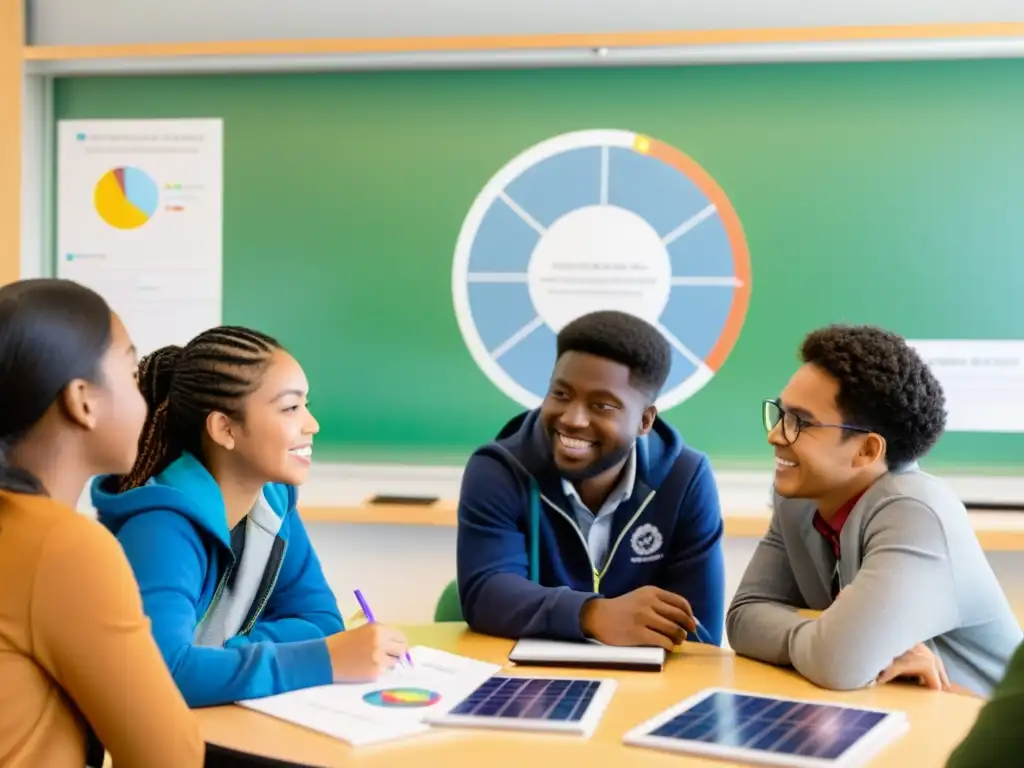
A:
(624, 338)
(884, 387)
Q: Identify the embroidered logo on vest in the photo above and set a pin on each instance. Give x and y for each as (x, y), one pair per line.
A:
(646, 542)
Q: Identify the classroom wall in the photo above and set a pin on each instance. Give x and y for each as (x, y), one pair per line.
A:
(65, 22)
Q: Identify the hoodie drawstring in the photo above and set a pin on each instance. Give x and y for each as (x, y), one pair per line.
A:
(534, 532)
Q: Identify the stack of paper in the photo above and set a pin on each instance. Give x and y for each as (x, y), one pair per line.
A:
(392, 707)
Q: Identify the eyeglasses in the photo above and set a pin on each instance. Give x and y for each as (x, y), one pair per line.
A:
(772, 413)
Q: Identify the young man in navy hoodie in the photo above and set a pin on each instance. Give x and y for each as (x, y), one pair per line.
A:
(589, 518)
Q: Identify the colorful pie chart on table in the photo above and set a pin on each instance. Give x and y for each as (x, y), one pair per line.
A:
(126, 197)
(406, 698)
(598, 220)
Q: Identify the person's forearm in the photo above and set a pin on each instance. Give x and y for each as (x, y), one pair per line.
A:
(780, 634)
(762, 630)
(508, 605)
(290, 629)
(214, 676)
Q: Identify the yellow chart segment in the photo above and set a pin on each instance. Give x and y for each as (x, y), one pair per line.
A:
(113, 206)
(407, 696)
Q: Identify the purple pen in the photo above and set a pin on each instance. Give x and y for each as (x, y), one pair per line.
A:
(369, 617)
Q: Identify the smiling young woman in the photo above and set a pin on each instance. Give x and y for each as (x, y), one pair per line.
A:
(239, 604)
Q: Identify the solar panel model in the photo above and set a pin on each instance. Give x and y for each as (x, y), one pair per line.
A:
(770, 730)
(566, 705)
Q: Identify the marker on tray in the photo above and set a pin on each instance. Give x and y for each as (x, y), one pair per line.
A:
(369, 617)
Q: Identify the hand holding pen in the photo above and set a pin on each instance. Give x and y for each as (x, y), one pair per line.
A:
(369, 617)
(365, 653)
(647, 616)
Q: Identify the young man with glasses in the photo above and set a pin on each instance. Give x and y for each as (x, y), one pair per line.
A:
(884, 551)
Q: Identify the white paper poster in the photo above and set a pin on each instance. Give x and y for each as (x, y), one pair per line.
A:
(140, 220)
(983, 381)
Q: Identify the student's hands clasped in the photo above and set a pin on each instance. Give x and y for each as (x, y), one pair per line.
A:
(365, 653)
(646, 616)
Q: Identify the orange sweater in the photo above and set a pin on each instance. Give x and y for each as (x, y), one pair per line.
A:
(76, 646)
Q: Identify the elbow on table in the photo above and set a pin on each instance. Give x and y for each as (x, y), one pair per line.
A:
(746, 638)
(835, 677)
(831, 669)
(733, 625)
(478, 615)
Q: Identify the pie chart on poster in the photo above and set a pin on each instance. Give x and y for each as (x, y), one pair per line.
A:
(404, 698)
(126, 197)
(598, 220)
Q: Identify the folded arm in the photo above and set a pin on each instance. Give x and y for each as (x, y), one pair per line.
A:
(170, 594)
(91, 634)
(493, 566)
(904, 594)
(696, 566)
(764, 612)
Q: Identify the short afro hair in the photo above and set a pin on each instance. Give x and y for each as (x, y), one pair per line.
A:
(884, 387)
(625, 339)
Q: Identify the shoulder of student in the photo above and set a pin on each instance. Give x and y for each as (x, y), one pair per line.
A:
(281, 498)
(889, 493)
(82, 564)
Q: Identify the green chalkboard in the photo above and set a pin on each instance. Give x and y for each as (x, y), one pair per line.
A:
(884, 193)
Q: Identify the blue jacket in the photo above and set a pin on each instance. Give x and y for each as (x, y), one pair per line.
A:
(523, 565)
(174, 532)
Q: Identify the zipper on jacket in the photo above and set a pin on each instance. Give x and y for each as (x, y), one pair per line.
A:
(622, 535)
(266, 593)
(596, 574)
(216, 593)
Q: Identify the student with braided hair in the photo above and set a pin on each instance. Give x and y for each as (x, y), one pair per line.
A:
(237, 598)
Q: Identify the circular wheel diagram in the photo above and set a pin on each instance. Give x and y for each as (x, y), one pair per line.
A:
(591, 220)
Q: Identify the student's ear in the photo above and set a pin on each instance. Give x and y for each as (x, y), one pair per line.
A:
(872, 449)
(79, 403)
(219, 427)
(647, 420)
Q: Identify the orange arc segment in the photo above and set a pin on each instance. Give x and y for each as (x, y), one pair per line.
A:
(734, 231)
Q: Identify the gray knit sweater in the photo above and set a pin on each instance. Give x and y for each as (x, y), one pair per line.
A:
(912, 571)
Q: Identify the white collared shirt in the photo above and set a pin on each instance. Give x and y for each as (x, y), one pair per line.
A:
(597, 529)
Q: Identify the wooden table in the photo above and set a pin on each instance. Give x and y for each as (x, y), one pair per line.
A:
(938, 720)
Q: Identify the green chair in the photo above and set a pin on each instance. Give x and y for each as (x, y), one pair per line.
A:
(449, 608)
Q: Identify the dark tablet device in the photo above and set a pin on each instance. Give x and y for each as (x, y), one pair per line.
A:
(420, 501)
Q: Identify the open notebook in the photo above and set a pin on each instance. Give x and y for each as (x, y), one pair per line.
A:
(393, 707)
(589, 654)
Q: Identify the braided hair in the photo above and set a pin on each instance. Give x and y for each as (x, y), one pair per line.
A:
(184, 385)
